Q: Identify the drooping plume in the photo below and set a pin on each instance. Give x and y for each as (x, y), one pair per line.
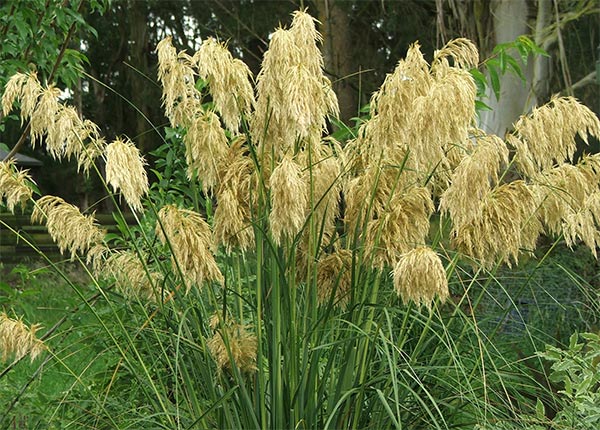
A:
(289, 200)
(419, 276)
(547, 137)
(69, 228)
(18, 340)
(205, 149)
(232, 342)
(232, 220)
(229, 82)
(13, 185)
(189, 239)
(125, 171)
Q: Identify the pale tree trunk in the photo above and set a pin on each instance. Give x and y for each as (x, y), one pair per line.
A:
(510, 22)
(541, 64)
(337, 50)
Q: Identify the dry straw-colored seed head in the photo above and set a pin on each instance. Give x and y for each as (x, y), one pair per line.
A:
(125, 171)
(229, 82)
(506, 225)
(473, 178)
(24, 88)
(562, 191)
(232, 219)
(132, 278)
(402, 225)
(462, 51)
(547, 136)
(289, 200)
(234, 343)
(205, 149)
(44, 116)
(13, 185)
(584, 224)
(334, 277)
(181, 99)
(67, 226)
(13, 91)
(189, 239)
(18, 340)
(419, 276)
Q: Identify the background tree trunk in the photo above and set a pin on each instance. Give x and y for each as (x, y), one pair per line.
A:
(509, 21)
(337, 54)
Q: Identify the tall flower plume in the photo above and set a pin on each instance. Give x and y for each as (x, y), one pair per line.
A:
(13, 185)
(294, 96)
(402, 225)
(334, 277)
(189, 239)
(125, 171)
(66, 134)
(473, 178)
(69, 228)
(228, 80)
(181, 100)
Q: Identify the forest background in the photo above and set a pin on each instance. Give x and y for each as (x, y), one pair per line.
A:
(114, 44)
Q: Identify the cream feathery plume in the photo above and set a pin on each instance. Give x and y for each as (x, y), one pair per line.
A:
(68, 227)
(125, 171)
(189, 239)
(12, 91)
(66, 133)
(233, 342)
(334, 277)
(548, 135)
(18, 340)
(432, 134)
(584, 224)
(13, 185)
(463, 52)
(402, 225)
(561, 191)
(181, 100)
(132, 279)
(419, 276)
(289, 200)
(62, 132)
(386, 131)
(473, 178)
(294, 96)
(505, 226)
(44, 116)
(569, 200)
(232, 219)
(24, 88)
(205, 149)
(229, 82)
